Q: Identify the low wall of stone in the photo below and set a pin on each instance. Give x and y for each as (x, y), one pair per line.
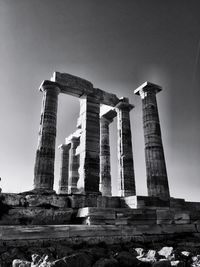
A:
(93, 234)
(36, 215)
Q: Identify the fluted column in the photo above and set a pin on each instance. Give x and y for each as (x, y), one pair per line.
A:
(45, 155)
(73, 165)
(157, 181)
(89, 145)
(126, 181)
(105, 176)
(64, 170)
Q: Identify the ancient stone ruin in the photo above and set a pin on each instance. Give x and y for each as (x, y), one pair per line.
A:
(86, 153)
(84, 208)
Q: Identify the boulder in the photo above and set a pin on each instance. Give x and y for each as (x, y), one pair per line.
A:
(149, 257)
(140, 252)
(21, 263)
(151, 254)
(166, 252)
(35, 259)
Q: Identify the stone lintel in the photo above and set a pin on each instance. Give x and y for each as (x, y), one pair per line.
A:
(76, 86)
(72, 85)
(108, 113)
(106, 98)
(147, 87)
(124, 104)
(48, 84)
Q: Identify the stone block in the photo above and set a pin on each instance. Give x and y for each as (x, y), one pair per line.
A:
(97, 220)
(11, 199)
(38, 200)
(121, 221)
(84, 200)
(165, 216)
(177, 203)
(93, 231)
(108, 202)
(41, 232)
(178, 228)
(195, 216)
(182, 217)
(106, 98)
(104, 213)
(91, 200)
(144, 202)
(72, 85)
(192, 205)
(36, 216)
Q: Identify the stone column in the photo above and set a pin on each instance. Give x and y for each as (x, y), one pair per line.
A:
(105, 176)
(64, 171)
(89, 145)
(157, 181)
(125, 154)
(73, 165)
(45, 155)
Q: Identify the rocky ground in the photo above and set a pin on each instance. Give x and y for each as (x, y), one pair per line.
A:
(178, 253)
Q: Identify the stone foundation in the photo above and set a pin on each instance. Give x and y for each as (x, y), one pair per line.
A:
(94, 209)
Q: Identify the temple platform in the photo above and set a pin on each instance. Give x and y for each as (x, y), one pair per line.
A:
(94, 209)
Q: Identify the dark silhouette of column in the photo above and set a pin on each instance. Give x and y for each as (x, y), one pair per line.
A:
(64, 170)
(73, 165)
(157, 181)
(105, 176)
(125, 154)
(45, 155)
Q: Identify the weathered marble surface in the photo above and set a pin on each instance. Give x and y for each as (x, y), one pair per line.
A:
(35, 200)
(157, 180)
(37, 216)
(74, 165)
(89, 147)
(64, 170)
(126, 181)
(76, 86)
(106, 117)
(45, 154)
(92, 233)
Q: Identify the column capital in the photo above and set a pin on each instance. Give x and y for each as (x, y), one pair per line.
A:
(146, 88)
(49, 85)
(124, 104)
(108, 114)
(64, 146)
(73, 137)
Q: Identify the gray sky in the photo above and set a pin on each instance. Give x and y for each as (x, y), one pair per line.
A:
(117, 45)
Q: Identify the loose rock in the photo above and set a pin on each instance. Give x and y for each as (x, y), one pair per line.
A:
(166, 252)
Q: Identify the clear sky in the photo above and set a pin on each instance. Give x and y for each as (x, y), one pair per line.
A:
(117, 45)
